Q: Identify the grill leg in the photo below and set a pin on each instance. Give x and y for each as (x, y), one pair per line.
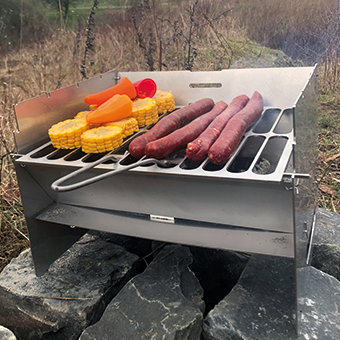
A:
(47, 240)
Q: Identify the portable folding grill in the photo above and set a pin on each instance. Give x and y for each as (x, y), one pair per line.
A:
(261, 201)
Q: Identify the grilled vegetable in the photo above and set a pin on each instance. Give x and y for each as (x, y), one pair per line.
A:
(170, 123)
(165, 101)
(231, 135)
(82, 115)
(145, 88)
(145, 111)
(101, 139)
(116, 108)
(66, 134)
(198, 149)
(179, 139)
(128, 126)
(124, 86)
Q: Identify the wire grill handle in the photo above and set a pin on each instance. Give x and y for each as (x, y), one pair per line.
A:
(57, 185)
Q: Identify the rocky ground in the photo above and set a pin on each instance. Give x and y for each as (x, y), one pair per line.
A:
(114, 287)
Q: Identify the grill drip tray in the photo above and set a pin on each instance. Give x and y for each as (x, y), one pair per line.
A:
(263, 154)
(183, 231)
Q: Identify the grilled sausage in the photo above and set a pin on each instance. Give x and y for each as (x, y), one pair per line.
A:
(230, 137)
(170, 123)
(198, 149)
(179, 139)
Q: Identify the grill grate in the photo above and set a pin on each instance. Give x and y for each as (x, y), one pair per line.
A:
(264, 152)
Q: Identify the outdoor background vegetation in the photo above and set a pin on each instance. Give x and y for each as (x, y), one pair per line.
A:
(49, 44)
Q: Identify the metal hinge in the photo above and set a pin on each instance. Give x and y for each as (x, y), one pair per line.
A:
(15, 156)
(295, 175)
(289, 177)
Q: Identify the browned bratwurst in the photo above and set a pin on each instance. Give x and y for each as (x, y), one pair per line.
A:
(169, 123)
(198, 149)
(230, 137)
(179, 139)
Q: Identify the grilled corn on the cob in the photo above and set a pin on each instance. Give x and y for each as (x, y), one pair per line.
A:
(66, 134)
(129, 125)
(101, 139)
(93, 107)
(145, 111)
(82, 115)
(165, 101)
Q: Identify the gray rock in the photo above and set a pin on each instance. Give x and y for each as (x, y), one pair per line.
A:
(326, 257)
(326, 243)
(163, 302)
(327, 227)
(320, 304)
(139, 246)
(218, 271)
(6, 334)
(70, 296)
(261, 305)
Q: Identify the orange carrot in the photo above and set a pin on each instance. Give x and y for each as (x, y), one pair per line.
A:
(125, 86)
(116, 108)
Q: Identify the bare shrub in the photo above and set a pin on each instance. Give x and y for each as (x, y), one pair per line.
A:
(287, 25)
(329, 58)
(89, 42)
(24, 21)
(174, 36)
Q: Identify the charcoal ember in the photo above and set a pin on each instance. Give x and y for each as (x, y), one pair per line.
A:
(188, 164)
(262, 166)
(174, 158)
(180, 154)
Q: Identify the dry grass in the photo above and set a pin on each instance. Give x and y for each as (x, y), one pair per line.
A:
(329, 152)
(216, 41)
(292, 26)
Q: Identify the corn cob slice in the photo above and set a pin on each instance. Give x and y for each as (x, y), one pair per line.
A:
(145, 111)
(82, 115)
(165, 101)
(101, 139)
(66, 134)
(93, 107)
(129, 125)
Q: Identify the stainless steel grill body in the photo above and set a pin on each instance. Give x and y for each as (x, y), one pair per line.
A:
(231, 207)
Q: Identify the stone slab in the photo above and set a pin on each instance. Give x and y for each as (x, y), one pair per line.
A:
(70, 296)
(163, 302)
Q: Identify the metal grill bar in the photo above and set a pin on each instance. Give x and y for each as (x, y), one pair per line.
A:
(47, 155)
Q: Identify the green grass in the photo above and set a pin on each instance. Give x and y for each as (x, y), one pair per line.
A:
(77, 15)
(80, 10)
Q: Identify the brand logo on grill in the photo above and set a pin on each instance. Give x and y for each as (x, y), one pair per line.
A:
(158, 218)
